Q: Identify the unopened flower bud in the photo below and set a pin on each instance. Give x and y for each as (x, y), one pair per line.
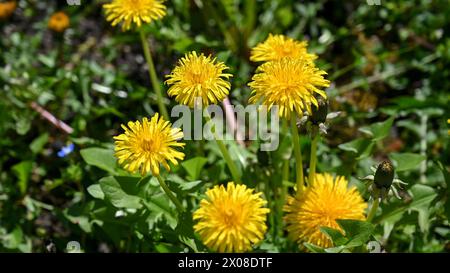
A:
(384, 175)
(319, 113)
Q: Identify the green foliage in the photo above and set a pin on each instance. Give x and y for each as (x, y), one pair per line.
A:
(114, 189)
(194, 167)
(23, 171)
(355, 235)
(389, 68)
(407, 161)
(101, 158)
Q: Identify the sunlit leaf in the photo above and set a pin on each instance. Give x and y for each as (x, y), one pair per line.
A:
(406, 161)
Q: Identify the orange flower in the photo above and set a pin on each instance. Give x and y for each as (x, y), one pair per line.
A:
(7, 8)
(59, 22)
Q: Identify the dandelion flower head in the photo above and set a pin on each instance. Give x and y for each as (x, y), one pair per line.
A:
(320, 205)
(290, 84)
(198, 76)
(146, 145)
(276, 47)
(131, 13)
(231, 218)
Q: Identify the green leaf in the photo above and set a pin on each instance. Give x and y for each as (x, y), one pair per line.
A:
(96, 191)
(190, 242)
(314, 248)
(13, 239)
(81, 221)
(285, 16)
(16, 240)
(361, 146)
(191, 186)
(185, 225)
(445, 173)
(47, 60)
(406, 161)
(23, 171)
(160, 204)
(183, 185)
(335, 235)
(338, 249)
(194, 167)
(423, 196)
(357, 232)
(101, 158)
(115, 192)
(392, 212)
(354, 146)
(23, 125)
(379, 130)
(38, 143)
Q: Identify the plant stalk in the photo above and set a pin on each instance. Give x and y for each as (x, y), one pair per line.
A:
(152, 74)
(313, 158)
(285, 171)
(298, 155)
(226, 155)
(374, 209)
(170, 194)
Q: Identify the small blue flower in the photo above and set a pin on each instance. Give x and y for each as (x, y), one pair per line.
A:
(66, 150)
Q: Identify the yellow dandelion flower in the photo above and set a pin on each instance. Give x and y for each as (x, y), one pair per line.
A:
(320, 205)
(135, 12)
(231, 219)
(144, 146)
(59, 21)
(276, 47)
(198, 76)
(7, 9)
(288, 83)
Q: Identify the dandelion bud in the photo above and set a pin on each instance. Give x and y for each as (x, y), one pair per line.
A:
(319, 114)
(384, 175)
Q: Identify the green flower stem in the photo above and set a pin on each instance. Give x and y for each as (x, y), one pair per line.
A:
(374, 209)
(230, 162)
(313, 159)
(229, 37)
(250, 14)
(285, 173)
(226, 155)
(298, 155)
(170, 194)
(153, 77)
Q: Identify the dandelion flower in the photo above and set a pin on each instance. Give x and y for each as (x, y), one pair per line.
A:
(277, 47)
(135, 12)
(320, 205)
(231, 219)
(59, 22)
(198, 76)
(7, 8)
(288, 83)
(147, 144)
(448, 121)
